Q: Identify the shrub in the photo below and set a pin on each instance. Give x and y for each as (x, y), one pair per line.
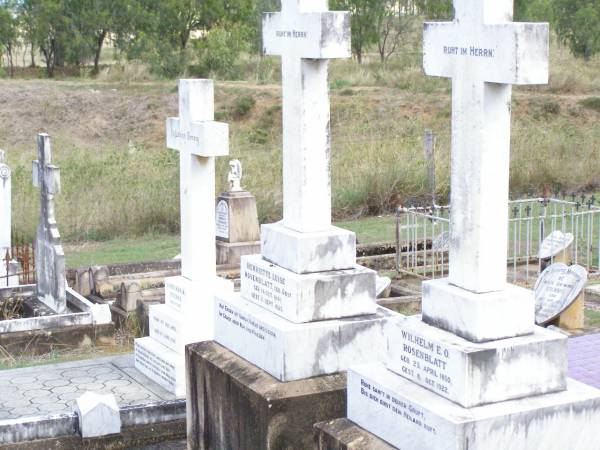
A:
(591, 103)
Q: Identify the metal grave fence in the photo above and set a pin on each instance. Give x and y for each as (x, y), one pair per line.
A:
(422, 236)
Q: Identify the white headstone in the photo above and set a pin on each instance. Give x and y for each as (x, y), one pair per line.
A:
(235, 176)
(49, 254)
(222, 219)
(555, 243)
(5, 206)
(556, 289)
(306, 35)
(484, 53)
(98, 415)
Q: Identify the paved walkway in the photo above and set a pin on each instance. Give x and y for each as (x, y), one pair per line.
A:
(584, 359)
(52, 389)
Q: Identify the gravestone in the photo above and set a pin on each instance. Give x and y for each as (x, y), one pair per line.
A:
(237, 229)
(5, 206)
(49, 254)
(187, 315)
(557, 289)
(98, 415)
(305, 308)
(556, 248)
(474, 371)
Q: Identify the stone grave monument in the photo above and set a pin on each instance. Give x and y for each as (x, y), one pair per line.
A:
(559, 296)
(49, 254)
(8, 267)
(187, 315)
(475, 372)
(306, 311)
(237, 229)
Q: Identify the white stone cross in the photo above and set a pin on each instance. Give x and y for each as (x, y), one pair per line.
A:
(5, 207)
(306, 35)
(49, 254)
(484, 53)
(199, 139)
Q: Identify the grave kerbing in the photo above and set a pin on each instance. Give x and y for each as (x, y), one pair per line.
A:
(237, 228)
(49, 253)
(476, 372)
(305, 310)
(187, 315)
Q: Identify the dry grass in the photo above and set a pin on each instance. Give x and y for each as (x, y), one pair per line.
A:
(120, 180)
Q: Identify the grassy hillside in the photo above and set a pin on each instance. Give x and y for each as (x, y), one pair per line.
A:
(120, 180)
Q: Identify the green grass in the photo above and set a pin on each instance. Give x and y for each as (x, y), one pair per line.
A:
(61, 356)
(592, 318)
(117, 251)
(162, 246)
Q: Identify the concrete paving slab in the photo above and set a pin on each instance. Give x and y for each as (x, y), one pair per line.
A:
(584, 359)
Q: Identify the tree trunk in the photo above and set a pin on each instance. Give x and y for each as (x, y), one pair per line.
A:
(32, 54)
(99, 44)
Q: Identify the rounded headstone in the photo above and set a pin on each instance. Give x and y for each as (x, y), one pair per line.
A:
(556, 242)
(556, 289)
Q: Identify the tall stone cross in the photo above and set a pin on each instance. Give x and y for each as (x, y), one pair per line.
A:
(49, 254)
(484, 53)
(306, 35)
(199, 139)
(5, 207)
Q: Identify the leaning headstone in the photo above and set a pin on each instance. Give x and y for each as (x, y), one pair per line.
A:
(98, 415)
(556, 248)
(557, 289)
(49, 254)
(474, 371)
(237, 228)
(305, 309)
(187, 315)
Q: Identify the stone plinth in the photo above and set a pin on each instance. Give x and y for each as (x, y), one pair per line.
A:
(478, 317)
(413, 418)
(476, 374)
(343, 434)
(290, 351)
(319, 251)
(233, 405)
(237, 228)
(308, 297)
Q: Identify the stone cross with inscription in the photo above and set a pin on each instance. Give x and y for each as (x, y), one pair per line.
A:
(306, 35)
(5, 206)
(484, 53)
(49, 254)
(199, 139)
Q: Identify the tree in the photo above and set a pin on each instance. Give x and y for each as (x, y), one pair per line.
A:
(394, 21)
(365, 16)
(9, 33)
(577, 25)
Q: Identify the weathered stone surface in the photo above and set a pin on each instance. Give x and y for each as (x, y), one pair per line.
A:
(290, 351)
(231, 254)
(161, 364)
(478, 317)
(98, 415)
(343, 434)
(413, 418)
(49, 253)
(322, 251)
(233, 405)
(484, 53)
(476, 374)
(302, 298)
(306, 35)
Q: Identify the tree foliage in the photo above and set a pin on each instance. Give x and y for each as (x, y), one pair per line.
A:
(9, 33)
(578, 25)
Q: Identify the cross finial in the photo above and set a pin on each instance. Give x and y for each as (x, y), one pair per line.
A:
(478, 12)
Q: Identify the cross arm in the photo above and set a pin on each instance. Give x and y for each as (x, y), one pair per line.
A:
(51, 177)
(506, 53)
(204, 139)
(311, 35)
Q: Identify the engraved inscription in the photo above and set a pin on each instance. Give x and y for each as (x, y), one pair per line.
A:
(471, 50)
(294, 34)
(268, 288)
(250, 326)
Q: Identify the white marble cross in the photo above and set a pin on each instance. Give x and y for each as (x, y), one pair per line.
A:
(199, 139)
(484, 53)
(5, 207)
(49, 254)
(306, 35)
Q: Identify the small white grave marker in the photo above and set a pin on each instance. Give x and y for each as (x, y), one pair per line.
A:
(306, 35)
(98, 415)
(554, 244)
(484, 53)
(556, 289)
